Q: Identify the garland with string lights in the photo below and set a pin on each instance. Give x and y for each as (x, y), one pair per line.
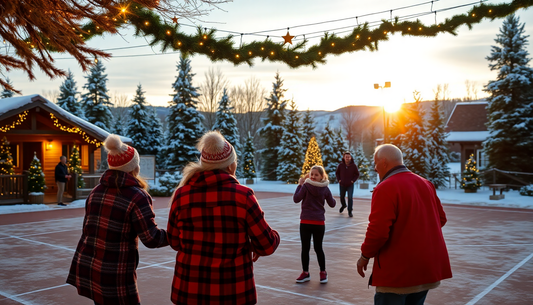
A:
(22, 118)
(77, 130)
(148, 23)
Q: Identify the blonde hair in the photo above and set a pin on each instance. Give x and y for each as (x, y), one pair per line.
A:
(321, 171)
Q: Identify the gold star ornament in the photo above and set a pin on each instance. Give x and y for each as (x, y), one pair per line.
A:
(175, 19)
(288, 38)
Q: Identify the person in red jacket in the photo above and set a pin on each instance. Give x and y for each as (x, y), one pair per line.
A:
(218, 230)
(347, 173)
(404, 234)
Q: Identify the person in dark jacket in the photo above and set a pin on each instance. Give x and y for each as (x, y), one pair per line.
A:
(118, 212)
(313, 190)
(346, 174)
(61, 176)
(218, 230)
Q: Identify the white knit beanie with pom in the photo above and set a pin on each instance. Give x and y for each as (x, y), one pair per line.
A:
(216, 151)
(120, 156)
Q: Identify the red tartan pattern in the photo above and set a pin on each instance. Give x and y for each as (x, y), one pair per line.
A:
(117, 213)
(215, 224)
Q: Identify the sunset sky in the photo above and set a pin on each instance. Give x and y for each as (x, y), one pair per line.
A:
(409, 63)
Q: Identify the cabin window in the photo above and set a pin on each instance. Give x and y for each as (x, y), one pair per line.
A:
(84, 155)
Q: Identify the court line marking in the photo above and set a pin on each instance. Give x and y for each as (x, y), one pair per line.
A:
(35, 234)
(15, 298)
(39, 290)
(303, 295)
(498, 281)
(483, 208)
(43, 243)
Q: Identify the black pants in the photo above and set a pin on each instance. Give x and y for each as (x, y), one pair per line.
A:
(317, 231)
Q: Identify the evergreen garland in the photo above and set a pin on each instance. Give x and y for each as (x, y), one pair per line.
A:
(471, 177)
(74, 166)
(149, 24)
(248, 158)
(6, 160)
(36, 182)
(312, 156)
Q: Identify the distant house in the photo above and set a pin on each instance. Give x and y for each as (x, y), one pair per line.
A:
(467, 130)
(32, 124)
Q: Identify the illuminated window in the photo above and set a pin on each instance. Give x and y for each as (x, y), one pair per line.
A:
(84, 155)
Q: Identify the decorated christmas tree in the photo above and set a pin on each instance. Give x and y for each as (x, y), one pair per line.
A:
(6, 160)
(471, 179)
(248, 166)
(75, 166)
(36, 183)
(362, 163)
(312, 156)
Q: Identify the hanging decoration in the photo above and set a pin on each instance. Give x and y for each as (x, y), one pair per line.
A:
(22, 118)
(77, 130)
(288, 38)
(149, 24)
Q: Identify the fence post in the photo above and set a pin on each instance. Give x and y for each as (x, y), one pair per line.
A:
(74, 186)
(25, 186)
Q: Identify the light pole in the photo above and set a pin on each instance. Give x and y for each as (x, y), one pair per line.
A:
(377, 86)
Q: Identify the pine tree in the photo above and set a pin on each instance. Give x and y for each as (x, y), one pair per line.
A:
(362, 163)
(510, 104)
(248, 158)
(339, 145)
(312, 156)
(308, 127)
(330, 156)
(139, 128)
(291, 151)
(7, 93)
(414, 143)
(68, 96)
(74, 166)
(96, 101)
(438, 156)
(226, 123)
(471, 179)
(273, 129)
(156, 130)
(184, 121)
(6, 160)
(118, 125)
(36, 182)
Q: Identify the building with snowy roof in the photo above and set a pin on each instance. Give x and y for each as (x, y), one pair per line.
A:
(467, 130)
(34, 125)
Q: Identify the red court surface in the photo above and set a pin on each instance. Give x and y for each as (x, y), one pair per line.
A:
(491, 252)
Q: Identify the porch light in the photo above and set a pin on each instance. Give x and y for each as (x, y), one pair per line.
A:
(49, 145)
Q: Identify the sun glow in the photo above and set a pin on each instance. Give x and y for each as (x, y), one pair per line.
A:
(392, 106)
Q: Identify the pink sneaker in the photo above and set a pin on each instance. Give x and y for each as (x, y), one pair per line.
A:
(304, 277)
(323, 277)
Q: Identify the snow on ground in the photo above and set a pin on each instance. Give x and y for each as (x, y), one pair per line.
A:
(450, 195)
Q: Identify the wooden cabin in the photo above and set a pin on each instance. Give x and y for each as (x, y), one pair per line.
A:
(467, 131)
(34, 125)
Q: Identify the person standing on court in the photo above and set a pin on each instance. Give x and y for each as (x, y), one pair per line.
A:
(347, 173)
(404, 234)
(61, 176)
(218, 230)
(118, 212)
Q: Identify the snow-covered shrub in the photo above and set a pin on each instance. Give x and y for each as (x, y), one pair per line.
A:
(527, 190)
(167, 183)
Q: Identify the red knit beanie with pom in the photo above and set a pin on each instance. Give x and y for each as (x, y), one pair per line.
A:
(120, 156)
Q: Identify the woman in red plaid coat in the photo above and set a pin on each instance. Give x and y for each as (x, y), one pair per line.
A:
(118, 213)
(217, 227)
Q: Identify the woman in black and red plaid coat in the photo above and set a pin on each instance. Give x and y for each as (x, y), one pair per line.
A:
(218, 229)
(118, 213)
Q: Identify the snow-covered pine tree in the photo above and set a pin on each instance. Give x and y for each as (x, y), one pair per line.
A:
(96, 101)
(139, 125)
(6, 160)
(156, 130)
(74, 166)
(471, 180)
(119, 125)
(362, 163)
(36, 182)
(312, 156)
(339, 144)
(438, 156)
(414, 143)
(291, 152)
(226, 123)
(330, 156)
(510, 103)
(7, 93)
(184, 121)
(248, 158)
(308, 127)
(273, 129)
(68, 96)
